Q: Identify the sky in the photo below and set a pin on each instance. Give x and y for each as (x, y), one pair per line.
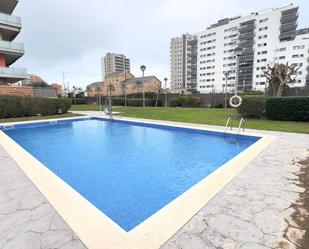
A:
(71, 36)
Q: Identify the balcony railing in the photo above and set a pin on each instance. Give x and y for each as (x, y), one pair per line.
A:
(11, 72)
(12, 47)
(10, 20)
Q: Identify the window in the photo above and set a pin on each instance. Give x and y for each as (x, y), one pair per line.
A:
(263, 20)
(298, 47)
(294, 56)
(263, 28)
(262, 52)
(262, 36)
(280, 50)
(262, 44)
(281, 57)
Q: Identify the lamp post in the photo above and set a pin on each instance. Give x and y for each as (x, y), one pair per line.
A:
(226, 74)
(165, 92)
(143, 68)
(238, 51)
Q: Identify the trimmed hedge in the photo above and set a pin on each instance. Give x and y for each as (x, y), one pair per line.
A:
(252, 106)
(135, 102)
(185, 101)
(287, 108)
(20, 106)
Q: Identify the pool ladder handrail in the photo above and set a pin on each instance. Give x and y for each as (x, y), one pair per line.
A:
(229, 123)
(241, 125)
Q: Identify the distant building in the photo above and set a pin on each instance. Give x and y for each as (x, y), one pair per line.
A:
(115, 79)
(117, 84)
(151, 84)
(112, 63)
(10, 51)
(30, 80)
(183, 52)
(58, 89)
(46, 92)
(93, 89)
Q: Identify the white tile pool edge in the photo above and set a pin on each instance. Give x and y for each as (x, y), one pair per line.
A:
(96, 230)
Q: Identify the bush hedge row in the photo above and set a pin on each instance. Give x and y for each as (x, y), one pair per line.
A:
(185, 101)
(275, 108)
(252, 106)
(287, 108)
(135, 102)
(21, 106)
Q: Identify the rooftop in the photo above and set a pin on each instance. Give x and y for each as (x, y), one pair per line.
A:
(140, 79)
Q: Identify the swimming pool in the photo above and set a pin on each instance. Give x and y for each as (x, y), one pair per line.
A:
(128, 170)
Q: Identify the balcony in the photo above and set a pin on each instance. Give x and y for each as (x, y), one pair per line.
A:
(10, 75)
(289, 18)
(10, 26)
(290, 35)
(290, 26)
(8, 6)
(12, 51)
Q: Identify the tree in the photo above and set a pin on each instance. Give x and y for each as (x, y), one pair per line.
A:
(278, 77)
(138, 85)
(124, 89)
(158, 93)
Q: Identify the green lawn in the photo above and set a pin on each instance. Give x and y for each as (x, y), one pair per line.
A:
(202, 116)
(66, 115)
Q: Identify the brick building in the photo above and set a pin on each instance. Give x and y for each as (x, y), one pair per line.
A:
(119, 82)
(94, 88)
(58, 89)
(46, 92)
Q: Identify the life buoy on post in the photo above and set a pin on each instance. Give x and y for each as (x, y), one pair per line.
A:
(235, 101)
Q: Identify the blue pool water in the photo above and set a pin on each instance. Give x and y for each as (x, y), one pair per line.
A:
(128, 171)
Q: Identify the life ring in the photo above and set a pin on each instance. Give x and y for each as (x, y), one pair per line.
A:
(235, 101)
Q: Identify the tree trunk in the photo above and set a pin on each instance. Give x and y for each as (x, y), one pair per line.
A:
(157, 98)
(280, 91)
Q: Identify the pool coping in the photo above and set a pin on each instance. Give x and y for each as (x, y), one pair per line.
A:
(94, 228)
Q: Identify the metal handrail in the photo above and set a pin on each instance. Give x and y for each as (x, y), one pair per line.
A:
(241, 124)
(227, 123)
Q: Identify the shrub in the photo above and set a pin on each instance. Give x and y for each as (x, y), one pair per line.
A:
(138, 102)
(252, 106)
(20, 106)
(80, 101)
(195, 101)
(174, 103)
(287, 108)
(118, 101)
(182, 100)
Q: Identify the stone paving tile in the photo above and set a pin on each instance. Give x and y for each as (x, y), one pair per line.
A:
(27, 220)
(253, 210)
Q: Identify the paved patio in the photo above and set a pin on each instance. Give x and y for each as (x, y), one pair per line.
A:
(252, 211)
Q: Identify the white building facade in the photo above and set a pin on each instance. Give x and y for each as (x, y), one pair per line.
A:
(266, 37)
(112, 63)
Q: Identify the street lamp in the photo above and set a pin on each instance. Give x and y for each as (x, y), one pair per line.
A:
(238, 51)
(143, 68)
(165, 92)
(226, 74)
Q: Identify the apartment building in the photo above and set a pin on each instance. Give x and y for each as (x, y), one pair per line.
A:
(112, 63)
(10, 51)
(183, 52)
(266, 37)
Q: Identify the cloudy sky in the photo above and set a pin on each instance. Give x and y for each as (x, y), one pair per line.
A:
(71, 36)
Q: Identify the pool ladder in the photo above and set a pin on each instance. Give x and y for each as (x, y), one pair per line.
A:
(229, 123)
